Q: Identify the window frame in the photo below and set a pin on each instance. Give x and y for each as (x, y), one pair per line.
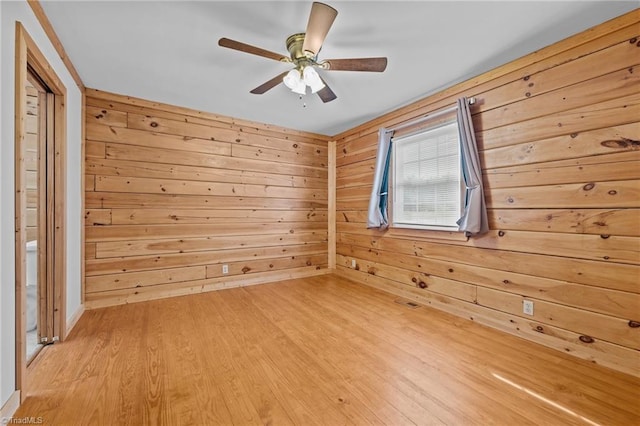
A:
(393, 223)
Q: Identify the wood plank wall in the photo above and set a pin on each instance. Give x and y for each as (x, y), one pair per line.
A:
(172, 195)
(559, 139)
(31, 162)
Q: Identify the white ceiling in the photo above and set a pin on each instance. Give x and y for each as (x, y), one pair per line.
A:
(167, 51)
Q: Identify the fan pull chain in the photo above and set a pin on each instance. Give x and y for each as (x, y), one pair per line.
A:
(304, 104)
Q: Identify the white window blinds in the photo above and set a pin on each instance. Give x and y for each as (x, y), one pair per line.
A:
(426, 178)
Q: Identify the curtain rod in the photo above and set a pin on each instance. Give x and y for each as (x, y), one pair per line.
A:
(429, 116)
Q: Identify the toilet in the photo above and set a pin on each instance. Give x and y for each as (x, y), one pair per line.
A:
(32, 285)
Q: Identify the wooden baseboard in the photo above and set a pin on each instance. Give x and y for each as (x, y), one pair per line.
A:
(10, 407)
(71, 322)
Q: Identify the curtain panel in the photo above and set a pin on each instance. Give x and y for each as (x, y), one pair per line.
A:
(474, 218)
(378, 217)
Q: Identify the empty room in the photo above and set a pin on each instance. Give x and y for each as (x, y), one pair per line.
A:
(320, 213)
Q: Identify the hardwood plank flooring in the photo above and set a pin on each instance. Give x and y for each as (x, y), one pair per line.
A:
(313, 351)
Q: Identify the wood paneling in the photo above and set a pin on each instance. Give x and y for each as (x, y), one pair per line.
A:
(316, 351)
(173, 194)
(207, 257)
(31, 161)
(217, 242)
(559, 139)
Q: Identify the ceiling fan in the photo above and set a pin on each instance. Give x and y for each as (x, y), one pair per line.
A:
(303, 54)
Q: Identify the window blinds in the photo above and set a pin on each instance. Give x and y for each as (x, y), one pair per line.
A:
(427, 178)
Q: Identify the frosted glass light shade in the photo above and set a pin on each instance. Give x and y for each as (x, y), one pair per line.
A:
(294, 82)
(312, 79)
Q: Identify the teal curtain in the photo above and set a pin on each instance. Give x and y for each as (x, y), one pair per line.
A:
(377, 216)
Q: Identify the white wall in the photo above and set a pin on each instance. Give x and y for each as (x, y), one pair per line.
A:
(10, 12)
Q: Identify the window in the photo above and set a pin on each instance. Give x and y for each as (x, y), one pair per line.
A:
(426, 179)
(427, 170)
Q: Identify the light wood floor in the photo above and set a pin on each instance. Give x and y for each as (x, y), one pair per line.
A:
(315, 351)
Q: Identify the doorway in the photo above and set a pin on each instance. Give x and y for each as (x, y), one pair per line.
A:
(40, 247)
(39, 287)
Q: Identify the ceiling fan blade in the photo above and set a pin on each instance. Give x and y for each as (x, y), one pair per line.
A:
(326, 94)
(247, 48)
(320, 21)
(269, 84)
(359, 64)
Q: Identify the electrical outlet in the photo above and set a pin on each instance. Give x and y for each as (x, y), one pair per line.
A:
(225, 269)
(527, 307)
(353, 263)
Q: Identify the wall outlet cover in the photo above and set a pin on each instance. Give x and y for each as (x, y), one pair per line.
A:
(527, 307)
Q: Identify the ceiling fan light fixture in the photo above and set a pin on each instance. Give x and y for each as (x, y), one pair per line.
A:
(294, 81)
(312, 79)
(303, 56)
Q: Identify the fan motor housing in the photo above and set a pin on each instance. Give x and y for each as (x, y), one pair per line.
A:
(294, 46)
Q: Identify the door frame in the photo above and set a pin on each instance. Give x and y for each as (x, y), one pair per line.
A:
(27, 54)
(44, 218)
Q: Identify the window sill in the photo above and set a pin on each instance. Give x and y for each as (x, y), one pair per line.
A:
(413, 233)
